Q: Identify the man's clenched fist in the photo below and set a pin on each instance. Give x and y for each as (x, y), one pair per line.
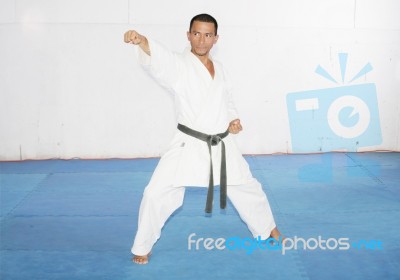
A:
(133, 37)
(235, 126)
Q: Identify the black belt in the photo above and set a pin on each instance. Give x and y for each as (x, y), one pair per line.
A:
(212, 140)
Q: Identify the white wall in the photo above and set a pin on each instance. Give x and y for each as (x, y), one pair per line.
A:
(70, 87)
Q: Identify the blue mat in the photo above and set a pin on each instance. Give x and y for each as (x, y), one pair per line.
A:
(77, 219)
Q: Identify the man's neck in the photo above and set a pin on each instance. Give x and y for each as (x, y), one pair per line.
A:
(203, 58)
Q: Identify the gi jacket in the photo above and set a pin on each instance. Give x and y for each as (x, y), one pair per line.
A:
(202, 103)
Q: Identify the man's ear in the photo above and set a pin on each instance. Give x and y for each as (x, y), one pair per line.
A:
(188, 35)
(216, 39)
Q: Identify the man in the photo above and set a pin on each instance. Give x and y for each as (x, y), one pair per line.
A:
(206, 116)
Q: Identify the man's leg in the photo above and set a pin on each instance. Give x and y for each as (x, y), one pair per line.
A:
(160, 199)
(253, 207)
(158, 203)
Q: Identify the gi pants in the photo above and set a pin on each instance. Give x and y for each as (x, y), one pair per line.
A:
(161, 198)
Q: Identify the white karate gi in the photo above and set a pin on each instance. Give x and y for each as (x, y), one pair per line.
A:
(203, 104)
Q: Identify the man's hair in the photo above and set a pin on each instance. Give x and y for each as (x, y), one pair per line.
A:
(204, 18)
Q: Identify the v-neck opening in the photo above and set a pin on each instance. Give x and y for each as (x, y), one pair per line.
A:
(205, 67)
(209, 72)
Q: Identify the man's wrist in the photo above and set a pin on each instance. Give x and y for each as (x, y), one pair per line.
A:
(144, 44)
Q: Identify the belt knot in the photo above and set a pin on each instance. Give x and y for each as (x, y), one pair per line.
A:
(214, 140)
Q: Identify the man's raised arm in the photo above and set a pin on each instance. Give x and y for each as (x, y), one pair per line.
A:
(133, 37)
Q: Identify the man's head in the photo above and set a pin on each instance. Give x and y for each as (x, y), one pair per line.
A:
(202, 34)
(204, 18)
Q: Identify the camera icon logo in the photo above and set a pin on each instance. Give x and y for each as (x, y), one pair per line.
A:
(339, 118)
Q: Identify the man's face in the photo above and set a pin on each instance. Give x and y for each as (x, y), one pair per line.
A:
(202, 37)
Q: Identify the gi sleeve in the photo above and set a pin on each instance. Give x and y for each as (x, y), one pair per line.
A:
(162, 64)
(232, 111)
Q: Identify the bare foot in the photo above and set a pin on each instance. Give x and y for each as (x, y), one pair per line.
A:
(276, 234)
(141, 259)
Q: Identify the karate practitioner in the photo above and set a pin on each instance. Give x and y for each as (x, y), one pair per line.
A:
(203, 99)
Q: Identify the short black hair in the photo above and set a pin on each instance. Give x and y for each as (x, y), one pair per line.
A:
(204, 18)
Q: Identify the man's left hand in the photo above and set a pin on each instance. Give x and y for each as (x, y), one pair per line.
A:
(235, 126)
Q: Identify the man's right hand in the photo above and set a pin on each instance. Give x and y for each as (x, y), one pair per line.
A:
(133, 37)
